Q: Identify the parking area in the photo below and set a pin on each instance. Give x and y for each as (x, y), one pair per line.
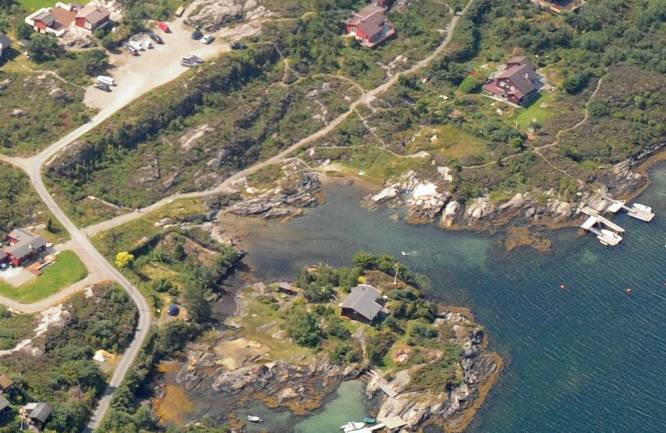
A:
(16, 277)
(136, 75)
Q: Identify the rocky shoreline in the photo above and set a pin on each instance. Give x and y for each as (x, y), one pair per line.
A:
(429, 201)
(303, 384)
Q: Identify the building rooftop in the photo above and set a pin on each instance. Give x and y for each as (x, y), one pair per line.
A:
(362, 299)
(5, 42)
(94, 14)
(26, 243)
(39, 411)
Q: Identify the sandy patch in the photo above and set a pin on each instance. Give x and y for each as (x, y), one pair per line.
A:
(236, 353)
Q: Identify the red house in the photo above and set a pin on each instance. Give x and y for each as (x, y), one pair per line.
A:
(517, 83)
(370, 26)
(92, 17)
(21, 247)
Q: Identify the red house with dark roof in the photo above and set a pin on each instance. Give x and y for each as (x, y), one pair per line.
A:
(518, 82)
(21, 247)
(370, 26)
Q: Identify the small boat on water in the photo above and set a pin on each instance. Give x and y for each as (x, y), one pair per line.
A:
(253, 418)
(370, 421)
(352, 426)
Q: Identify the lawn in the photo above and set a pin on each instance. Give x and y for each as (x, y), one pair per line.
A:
(33, 5)
(539, 111)
(67, 270)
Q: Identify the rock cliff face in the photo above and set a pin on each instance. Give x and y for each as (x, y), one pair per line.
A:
(297, 188)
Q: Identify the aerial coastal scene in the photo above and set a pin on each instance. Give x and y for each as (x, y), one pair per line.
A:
(314, 216)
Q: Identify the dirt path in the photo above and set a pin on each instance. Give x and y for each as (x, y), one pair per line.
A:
(227, 185)
(81, 244)
(560, 133)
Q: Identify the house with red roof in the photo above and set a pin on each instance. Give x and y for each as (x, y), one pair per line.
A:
(370, 26)
(517, 82)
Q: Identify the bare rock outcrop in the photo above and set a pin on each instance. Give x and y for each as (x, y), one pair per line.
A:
(211, 15)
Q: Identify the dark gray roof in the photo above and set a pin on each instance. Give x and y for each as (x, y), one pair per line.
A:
(522, 74)
(24, 249)
(21, 235)
(362, 299)
(4, 404)
(41, 412)
(5, 42)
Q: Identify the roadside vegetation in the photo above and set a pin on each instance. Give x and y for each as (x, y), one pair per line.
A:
(171, 259)
(20, 206)
(67, 270)
(62, 372)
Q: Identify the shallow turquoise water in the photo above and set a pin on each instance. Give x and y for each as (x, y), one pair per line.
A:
(586, 358)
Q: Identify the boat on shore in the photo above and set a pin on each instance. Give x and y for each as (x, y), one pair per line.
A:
(352, 426)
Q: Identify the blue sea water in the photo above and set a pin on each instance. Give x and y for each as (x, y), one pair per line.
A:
(589, 357)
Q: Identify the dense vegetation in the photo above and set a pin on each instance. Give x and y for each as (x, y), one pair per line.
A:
(314, 321)
(491, 146)
(171, 265)
(63, 372)
(20, 206)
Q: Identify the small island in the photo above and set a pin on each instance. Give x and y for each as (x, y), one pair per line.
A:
(290, 345)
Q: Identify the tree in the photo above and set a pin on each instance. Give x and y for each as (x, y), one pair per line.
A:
(124, 259)
(23, 31)
(44, 48)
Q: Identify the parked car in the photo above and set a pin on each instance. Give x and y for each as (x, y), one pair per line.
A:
(103, 86)
(238, 46)
(130, 49)
(208, 39)
(197, 34)
(194, 59)
(164, 27)
(155, 37)
(104, 79)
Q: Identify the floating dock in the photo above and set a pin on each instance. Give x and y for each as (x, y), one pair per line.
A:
(637, 210)
(610, 224)
(606, 237)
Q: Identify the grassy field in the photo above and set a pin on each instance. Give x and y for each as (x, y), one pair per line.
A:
(67, 270)
(33, 5)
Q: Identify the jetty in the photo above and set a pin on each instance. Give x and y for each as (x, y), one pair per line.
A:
(636, 210)
(606, 230)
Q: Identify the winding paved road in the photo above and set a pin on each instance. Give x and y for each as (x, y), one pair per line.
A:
(80, 243)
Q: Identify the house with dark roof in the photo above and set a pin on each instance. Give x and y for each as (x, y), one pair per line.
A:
(5, 44)
(36, 414)
(370, 26)
(21, 247)
(5, 384)
(92, 17)
(362, 304)
(518, 82)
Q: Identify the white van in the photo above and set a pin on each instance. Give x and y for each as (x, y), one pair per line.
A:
(106, 80)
